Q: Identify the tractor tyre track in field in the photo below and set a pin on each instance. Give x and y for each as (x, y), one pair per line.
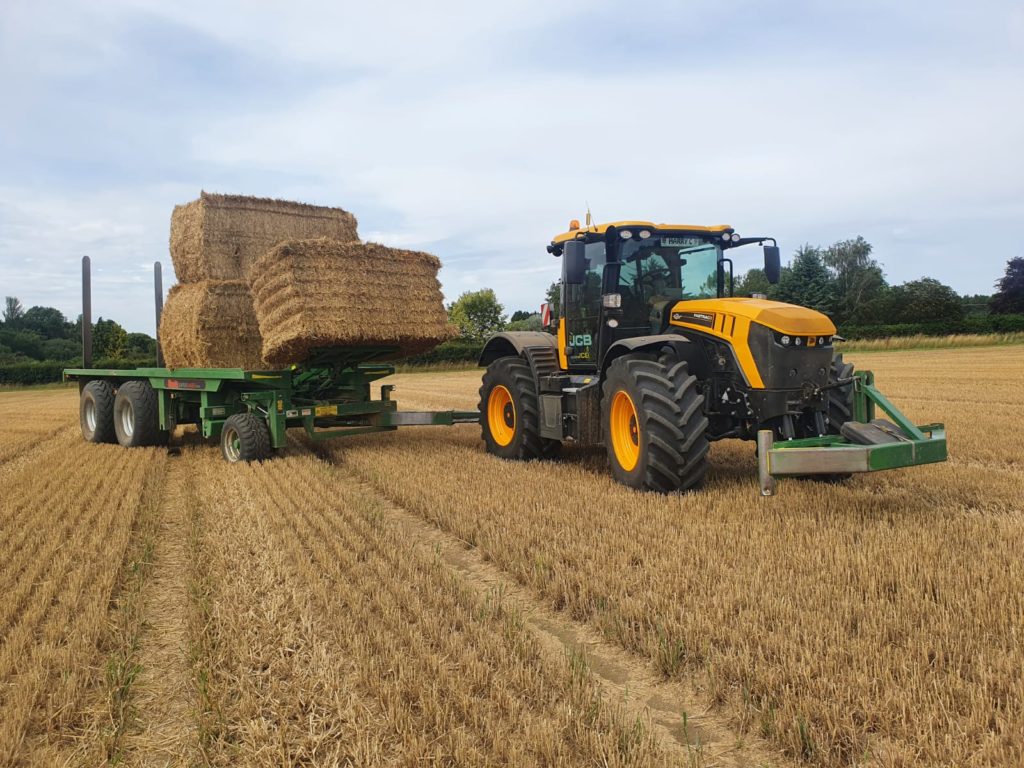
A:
(675, 711)
(165, 731)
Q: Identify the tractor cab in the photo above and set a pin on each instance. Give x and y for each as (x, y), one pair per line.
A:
(620, 279)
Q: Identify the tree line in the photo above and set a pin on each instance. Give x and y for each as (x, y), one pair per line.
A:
(842, 280)
(37, 343)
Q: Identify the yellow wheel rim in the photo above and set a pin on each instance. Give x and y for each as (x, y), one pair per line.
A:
(625, 431)
(501, 415)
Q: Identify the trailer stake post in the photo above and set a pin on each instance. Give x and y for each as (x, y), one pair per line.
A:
(158, 292)
(86, 313)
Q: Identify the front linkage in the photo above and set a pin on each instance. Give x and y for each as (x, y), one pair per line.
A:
(893, 444)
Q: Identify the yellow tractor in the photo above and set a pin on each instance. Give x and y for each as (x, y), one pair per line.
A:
(652, 356)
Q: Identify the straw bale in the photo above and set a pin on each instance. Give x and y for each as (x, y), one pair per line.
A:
(210, 325)
(217, 237)
(311, 294)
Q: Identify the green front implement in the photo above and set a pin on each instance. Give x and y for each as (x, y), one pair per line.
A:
(835, 455)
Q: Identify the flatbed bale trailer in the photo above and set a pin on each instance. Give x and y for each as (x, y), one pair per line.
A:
(328, 396)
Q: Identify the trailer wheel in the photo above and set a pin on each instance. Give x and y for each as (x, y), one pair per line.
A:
(654, 424)
(96, 412)
(137, 415)
(245, 437)
(510, 413)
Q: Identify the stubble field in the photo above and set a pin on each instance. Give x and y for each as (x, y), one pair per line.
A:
(407, 599)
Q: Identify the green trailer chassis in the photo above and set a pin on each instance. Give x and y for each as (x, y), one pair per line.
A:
(327, 402)
(835, 455)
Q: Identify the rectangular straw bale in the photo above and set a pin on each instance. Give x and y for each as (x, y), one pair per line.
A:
(311, 294)
(217, 237)
(211, 325)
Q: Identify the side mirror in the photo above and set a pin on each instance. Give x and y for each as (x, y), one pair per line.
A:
(575, 266)
(772, 264)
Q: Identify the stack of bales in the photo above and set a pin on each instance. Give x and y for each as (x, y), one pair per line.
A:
(265, 282)
(322, 293)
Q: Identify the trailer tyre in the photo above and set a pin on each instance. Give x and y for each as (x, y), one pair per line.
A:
(245, 437)
(96, 412)
(137, 415)
(654, 424)
(510, 412)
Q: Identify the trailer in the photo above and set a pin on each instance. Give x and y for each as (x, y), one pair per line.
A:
(329, 395)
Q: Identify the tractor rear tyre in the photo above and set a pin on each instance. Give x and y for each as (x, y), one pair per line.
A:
(510, 412)
(245, 437)
(654, 424)
(137, 415)
(96, 412)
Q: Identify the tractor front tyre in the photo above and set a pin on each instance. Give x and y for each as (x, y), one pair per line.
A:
(840, 399)
(137, 415)
(245, 437)
(96, 412)
(510, 412)
(654, 425)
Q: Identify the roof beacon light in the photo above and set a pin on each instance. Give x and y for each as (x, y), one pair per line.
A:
(574, 225)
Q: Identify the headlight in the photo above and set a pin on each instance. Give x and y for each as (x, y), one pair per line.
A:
(785, 341)
(612, 300)
(644, 234)
(613, 323)
(625, 234)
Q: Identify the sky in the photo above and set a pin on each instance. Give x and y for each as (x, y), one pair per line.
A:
(476, 131)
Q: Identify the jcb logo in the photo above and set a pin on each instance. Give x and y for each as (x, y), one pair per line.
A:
(581, 340)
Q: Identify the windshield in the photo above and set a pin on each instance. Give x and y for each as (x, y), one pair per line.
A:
(667, 268)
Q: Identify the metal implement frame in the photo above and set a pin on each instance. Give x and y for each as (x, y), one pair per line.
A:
(835, 455)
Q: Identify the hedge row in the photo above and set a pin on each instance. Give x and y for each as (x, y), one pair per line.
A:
(980, 324)
(454, 351)
(50, 372)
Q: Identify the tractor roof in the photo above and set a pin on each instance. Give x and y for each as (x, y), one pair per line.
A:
(600, 229)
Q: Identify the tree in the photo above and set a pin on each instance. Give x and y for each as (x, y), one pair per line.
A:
(554, 297)
(13, 312)
(519, 314)
(140, 345)
(1009, 298)
(858, 278)
(922, 301)
(754, 281)
(109, 340)
(807, 282)
(975, 305)
(528, 323)
(48, 322)
(477, 314)
(63, 350)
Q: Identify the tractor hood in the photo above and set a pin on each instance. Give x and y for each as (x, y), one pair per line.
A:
(722, 315)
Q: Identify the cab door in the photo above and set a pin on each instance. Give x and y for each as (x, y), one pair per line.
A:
(581, 313)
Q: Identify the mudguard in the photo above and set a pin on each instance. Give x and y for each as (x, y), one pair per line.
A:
(637, 343)
(512, 344)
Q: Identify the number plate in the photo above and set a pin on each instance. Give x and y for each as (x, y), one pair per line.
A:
(327, 410)
(681, 241)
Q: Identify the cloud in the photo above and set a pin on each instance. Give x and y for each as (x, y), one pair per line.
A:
(477, 131)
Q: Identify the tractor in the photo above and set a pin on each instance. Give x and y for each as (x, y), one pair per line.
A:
(650, 355)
